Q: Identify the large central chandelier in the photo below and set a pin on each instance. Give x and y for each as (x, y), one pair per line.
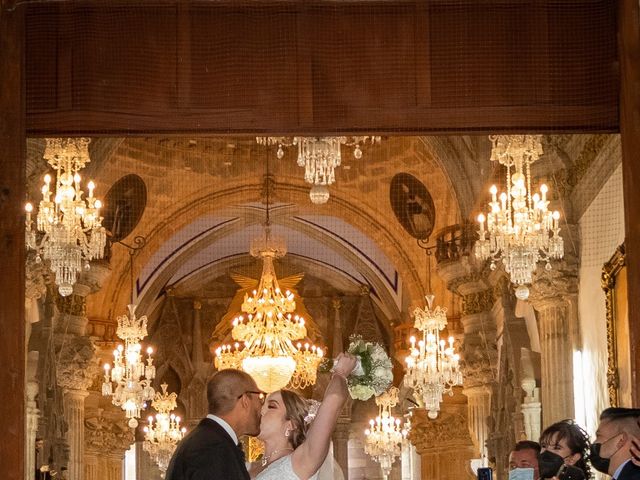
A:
(268, 333)
(71, 226)
(383, 438)
(161, 437)
(319, 156)
(520, 230)
(432, 365)
(131, 375)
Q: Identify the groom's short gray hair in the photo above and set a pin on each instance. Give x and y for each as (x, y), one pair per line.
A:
(225, 387)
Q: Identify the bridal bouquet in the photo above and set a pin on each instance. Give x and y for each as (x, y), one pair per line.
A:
(373, 373)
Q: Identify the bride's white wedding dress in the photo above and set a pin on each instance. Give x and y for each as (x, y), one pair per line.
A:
(281, 469)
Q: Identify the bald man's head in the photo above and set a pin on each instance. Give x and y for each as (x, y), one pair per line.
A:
(224, 389)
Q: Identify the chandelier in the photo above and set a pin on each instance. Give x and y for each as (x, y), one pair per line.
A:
(130, 375)
(268, 328)
(161, 438)
(71, 226)
(520, 230)
(383, 438)
(319, 156)
(432, 366)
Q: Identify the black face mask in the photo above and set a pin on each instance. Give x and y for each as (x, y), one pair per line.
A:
(599, 463)
(549, 463)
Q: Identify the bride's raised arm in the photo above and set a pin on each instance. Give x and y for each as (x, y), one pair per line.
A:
(308, 457)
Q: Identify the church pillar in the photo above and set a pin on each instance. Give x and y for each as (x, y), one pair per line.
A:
(33, 415)
(479, 354)
(341, 443)
(196, 351)
(108, 437)
(554, 296)
(145, 467)
(74, 416)
(435, 440)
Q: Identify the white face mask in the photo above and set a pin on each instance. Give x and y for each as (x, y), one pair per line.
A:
(521, 474)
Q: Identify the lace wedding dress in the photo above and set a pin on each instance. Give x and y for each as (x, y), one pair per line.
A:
(281, 469)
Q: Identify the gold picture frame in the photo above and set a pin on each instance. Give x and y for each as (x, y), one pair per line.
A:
(614, 284)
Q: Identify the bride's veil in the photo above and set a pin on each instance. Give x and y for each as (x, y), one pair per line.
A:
(330, 470)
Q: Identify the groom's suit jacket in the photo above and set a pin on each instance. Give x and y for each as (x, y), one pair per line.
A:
(207, 453)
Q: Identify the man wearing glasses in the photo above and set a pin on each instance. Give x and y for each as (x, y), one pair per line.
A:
(211, 450)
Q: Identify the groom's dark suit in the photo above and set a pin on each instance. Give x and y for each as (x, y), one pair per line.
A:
(207, 453)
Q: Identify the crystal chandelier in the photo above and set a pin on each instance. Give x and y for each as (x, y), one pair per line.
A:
(131, 376)
(71, 226)
(161, 437)
(520, 230)
(319, 156)
(268, 328)
(432, 366)
(383, 438)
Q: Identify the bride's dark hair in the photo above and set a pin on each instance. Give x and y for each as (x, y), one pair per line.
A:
(297, 409)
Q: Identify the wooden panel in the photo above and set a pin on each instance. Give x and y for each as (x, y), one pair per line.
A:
(325, 67)
(12, 249)
(629, 37)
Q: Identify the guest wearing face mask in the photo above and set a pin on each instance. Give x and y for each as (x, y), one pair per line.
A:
(611, 452)
(565, 448)
(523, 461)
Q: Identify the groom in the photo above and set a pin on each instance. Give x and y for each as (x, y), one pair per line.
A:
(211, 450)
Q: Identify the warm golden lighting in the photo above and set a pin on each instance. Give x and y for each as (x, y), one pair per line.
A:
(68, 231)
(520, 230)
(161, 437)
(383, 438)
(267, 329)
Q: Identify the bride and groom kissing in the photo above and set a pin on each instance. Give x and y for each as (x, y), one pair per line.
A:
(296, 442)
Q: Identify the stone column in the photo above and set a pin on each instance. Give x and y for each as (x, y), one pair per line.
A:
(32, 415)
(107, 438)
(479, 352)
(531, 409)
(74, 416)
(444, 444)
(77, 370)
(145, 468)
(554, 296)
(341, 443)
(196, 348)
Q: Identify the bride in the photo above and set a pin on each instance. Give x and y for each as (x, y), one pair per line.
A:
(295, 447)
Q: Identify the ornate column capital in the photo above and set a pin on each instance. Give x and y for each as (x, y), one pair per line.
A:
(446, 432)
(551, 287)
(77, 365)
(105, 434)
(36, 279)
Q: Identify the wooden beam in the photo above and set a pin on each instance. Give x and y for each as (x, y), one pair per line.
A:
(629, 48)
(12, 249)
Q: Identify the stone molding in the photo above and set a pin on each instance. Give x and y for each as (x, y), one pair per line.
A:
(77, 365)
(104, 434)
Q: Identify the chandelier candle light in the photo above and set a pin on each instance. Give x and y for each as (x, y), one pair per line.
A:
(520, 230)
(319, 156)
(268, 329)
(383, 438)
(432, 365)
(161, 437)
(71, 226)
(131, 376)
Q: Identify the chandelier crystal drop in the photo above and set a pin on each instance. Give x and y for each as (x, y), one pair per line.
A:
(520, 230)
(70, 226)
(130, 374)
(268, 327)
(432, 365)
(383, 438)
(163, 432)
(319, 156)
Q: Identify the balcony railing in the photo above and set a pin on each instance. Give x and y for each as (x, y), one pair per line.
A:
(454, 241)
